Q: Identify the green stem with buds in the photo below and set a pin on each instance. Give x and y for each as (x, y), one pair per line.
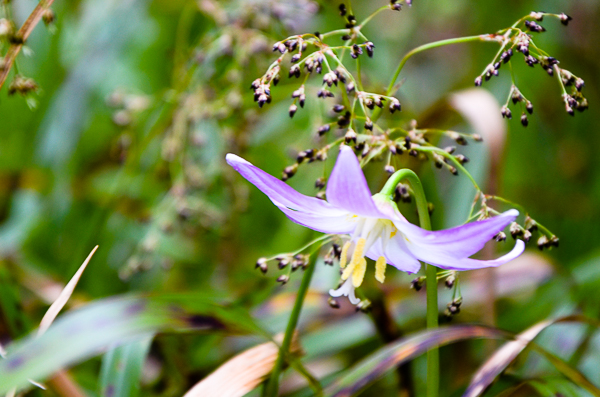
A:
(272, 387)
(433, 357)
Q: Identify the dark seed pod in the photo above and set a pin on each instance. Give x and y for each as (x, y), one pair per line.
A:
(369, 125)
(524, 120)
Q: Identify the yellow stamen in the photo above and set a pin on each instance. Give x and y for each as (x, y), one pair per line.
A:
(357, 255)
(380, 266)
(348, 271)
(344, 255)
(359, 273)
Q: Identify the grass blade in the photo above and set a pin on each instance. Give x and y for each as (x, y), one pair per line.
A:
(370, 369)
(498, 362)
(90, 330)
(122, 368)
(64, 296)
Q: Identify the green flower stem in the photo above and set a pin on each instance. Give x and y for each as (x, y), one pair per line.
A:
(272, 386)
(433, 356)
(417, 50)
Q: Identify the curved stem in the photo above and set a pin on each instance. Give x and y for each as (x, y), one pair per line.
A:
(417, 50)
(433, 357)
(272, 386)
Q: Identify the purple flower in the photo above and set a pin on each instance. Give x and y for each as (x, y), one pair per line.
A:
(376, 228)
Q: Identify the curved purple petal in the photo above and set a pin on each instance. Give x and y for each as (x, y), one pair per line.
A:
(445, 261)
(279, 192)
(338, 224)
(461, 241)
(347, 187)
(396, 255)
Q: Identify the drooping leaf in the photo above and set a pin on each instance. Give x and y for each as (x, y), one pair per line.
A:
(103, 324)
(373, 367)
(498, 362)
(122, 368)
(242, 373)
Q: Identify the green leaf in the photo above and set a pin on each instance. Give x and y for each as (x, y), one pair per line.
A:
(100, 325)
(122, 368)
(373, 367)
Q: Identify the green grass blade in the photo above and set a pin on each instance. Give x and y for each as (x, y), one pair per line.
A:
(92, 329)
(122, 368)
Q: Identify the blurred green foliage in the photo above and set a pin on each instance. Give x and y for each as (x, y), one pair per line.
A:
(141, 100)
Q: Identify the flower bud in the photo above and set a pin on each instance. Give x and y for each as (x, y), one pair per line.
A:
(530, 224)
(478, 81)
(333, 303)
(338, 108)
(283, 262)
(350, 136)
(320, 183)
(501, 236)
(289, 172)
(369, 125)
(395, 105)
(543, 242)
(529, 107)
(364, 306)
(515, 230)
(450, 281)
(506, 113)
(417, 283)
(261, 264)
(292, 110)
(323, 129)
(524, 120)
(283, 279)
(564, 19)
(296, 58)
(462, 158)
(389, 169)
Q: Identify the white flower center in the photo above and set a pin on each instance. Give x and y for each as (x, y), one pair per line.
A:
(368, 231)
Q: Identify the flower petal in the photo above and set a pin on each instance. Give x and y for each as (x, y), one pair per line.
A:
(458, 242)
(395, 254)
(347, 187)
(338, 224)
(444, 261)
(279, 192)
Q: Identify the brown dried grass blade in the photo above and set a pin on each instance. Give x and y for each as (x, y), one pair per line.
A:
(242, 373)
(64, 296)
